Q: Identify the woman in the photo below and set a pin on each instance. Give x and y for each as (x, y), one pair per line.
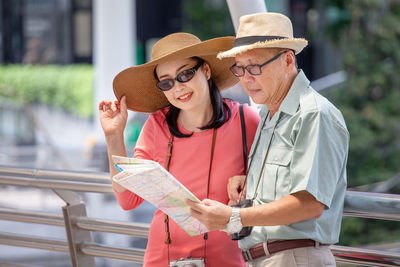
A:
(181, 88)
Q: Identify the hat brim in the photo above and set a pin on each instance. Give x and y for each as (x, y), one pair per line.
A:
(138, 83)
(296, 44)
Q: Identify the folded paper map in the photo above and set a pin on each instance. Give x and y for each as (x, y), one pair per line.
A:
(152, 182)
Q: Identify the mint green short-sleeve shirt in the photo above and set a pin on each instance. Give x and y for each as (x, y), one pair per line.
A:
(308, 151)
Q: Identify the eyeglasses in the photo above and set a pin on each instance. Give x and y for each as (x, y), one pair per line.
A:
(182, 77)
(254, 69)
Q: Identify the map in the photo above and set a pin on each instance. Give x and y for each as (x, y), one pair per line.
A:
(152, 182)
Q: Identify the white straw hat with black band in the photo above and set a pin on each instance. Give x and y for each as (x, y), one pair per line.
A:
(264, 30)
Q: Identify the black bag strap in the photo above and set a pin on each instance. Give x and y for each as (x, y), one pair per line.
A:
(244, 138)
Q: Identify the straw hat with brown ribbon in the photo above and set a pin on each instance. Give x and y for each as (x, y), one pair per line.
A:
(264, 30)
(138, 83)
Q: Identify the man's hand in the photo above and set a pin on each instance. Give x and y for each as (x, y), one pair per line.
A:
(236, 189)
(213, 214)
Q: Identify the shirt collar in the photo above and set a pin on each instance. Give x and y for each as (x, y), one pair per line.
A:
(263, 111)
(292, 100)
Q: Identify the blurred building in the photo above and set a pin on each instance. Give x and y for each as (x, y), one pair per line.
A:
(61, 32)
(46, 31)
(64, 31)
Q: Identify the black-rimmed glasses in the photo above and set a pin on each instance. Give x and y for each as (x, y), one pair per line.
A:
(182, 77)
(253, 69)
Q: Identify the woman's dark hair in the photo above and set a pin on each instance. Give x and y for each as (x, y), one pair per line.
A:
(219, 107)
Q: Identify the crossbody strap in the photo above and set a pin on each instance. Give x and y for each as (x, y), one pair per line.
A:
(251, 160)
(166, 166)
(205, 236)
(169, 152)
(244, 138)
(266, 154)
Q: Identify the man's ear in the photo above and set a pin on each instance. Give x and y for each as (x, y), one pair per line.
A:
(290, 60)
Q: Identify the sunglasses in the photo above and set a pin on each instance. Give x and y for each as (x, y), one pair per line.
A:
(254, 69)
(182, 77)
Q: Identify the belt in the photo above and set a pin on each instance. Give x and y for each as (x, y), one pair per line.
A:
(269, 248)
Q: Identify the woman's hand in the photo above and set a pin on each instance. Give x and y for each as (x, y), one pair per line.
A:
(113, 116)
(236, 189)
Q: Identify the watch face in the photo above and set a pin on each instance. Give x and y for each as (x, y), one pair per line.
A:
(236, 226)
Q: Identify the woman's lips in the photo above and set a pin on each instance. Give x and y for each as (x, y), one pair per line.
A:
(185, 97)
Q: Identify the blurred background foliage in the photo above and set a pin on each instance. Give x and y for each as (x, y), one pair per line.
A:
(69, 87)
(368, 35)
(369, 99)
(207, 19)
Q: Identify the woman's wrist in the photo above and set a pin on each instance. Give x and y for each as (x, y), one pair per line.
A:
(118, 188)
(114, 138)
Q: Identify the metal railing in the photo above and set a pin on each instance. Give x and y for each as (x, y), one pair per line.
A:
(78, 226)
(329, 81)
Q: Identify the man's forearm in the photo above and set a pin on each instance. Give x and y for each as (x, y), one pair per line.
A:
(290, 209)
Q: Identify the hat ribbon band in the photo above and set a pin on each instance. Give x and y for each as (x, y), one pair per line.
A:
(254, 39)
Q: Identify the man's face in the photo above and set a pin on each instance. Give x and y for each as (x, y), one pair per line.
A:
(266, 87)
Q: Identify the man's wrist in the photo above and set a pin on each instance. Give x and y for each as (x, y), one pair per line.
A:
(235, 223)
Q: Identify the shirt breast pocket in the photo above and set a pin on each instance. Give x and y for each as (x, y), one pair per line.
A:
(275, 182)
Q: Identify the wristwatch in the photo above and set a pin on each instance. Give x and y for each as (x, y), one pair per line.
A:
(235, 223)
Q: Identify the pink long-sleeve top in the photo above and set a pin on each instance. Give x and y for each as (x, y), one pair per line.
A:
(190, 165)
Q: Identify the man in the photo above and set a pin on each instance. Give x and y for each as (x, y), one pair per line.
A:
(297, 164)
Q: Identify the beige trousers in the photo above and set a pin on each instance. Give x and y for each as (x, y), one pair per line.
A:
(298, 257)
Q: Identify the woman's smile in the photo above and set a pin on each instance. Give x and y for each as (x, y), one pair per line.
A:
(185, 97)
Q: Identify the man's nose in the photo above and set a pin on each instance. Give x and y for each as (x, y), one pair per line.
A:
(247, 77)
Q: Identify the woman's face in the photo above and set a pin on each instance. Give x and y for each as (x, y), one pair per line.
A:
(186, 95)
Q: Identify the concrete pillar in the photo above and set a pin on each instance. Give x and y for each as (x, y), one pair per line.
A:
(238, 8)
(114, 44)
(114, 28)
